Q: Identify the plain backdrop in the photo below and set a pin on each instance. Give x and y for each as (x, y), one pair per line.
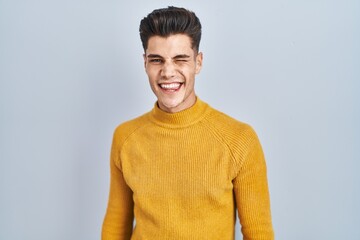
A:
(71, 71)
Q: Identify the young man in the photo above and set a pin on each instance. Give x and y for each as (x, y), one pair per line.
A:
(182, 169)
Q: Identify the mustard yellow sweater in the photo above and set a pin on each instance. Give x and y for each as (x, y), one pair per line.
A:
(183, 175)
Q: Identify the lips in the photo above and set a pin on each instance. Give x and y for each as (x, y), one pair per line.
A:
(171, 86)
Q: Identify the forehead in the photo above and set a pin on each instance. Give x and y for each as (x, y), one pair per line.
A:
(169, 46)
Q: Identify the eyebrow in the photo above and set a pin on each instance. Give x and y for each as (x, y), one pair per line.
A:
(176, 57)
(154, 56)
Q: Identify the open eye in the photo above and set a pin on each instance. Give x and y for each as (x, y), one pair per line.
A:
(156, 60)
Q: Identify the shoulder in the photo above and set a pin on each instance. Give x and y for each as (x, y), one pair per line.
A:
(239, 137)
(229, 127)
(126, 129)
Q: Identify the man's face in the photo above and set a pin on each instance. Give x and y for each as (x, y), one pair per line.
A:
(171, 65)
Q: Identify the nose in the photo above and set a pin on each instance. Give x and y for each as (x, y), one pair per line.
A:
(168, 70)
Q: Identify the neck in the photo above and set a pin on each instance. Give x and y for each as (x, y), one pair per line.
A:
(182, 118)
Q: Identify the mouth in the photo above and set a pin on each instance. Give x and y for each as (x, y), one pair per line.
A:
(171, 87)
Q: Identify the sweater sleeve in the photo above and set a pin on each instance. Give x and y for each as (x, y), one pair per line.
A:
(118, 222)
(252, 194)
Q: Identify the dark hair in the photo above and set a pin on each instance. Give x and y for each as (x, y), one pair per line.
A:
(171, 20)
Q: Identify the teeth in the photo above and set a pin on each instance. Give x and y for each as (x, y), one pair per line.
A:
(170, 85)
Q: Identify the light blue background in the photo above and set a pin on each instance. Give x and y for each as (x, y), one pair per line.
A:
(71, 71)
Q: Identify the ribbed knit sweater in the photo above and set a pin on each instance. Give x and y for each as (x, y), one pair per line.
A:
(183, 175)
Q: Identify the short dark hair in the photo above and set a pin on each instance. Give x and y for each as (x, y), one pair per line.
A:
(168, 21)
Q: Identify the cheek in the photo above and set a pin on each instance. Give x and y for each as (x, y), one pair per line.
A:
(182, 72)
(188, 72)
(151, 74)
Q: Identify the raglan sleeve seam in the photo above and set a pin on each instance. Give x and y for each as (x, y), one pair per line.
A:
(238, 159)
(119, 144)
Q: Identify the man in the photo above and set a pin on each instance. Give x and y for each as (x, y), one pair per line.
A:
(182, 169)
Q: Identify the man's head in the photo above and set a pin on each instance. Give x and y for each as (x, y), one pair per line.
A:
(171, 37)
(169, 21)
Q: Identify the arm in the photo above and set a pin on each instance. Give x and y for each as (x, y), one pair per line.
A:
(119, 217)
(252, 195)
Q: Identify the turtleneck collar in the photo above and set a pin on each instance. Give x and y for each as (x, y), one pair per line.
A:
(183, 118)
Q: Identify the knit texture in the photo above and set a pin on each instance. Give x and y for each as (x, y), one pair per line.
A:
(183, 175)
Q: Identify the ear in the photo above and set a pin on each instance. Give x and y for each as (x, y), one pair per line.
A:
(198, 62)
(144, 56)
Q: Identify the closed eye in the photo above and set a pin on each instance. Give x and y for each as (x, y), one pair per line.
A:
(182, 60)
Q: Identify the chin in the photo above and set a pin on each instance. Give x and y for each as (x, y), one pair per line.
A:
(171, 104)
